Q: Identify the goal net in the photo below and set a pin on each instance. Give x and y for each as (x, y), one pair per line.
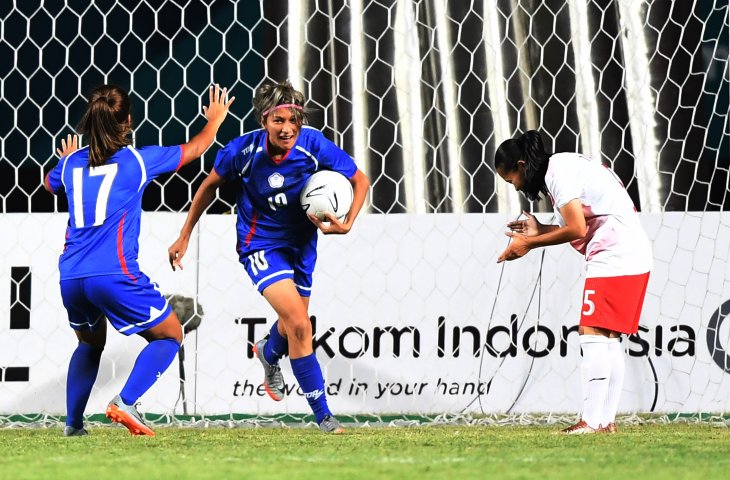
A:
(413, 317)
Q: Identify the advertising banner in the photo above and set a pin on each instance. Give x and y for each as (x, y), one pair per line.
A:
(411, 315)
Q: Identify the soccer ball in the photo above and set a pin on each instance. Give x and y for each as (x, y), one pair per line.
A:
(326, 191)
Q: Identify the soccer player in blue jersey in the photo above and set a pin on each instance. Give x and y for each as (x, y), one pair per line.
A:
(100, 276)
(277, 242)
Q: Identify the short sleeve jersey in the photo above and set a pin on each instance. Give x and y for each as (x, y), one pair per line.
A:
(615, 243)
(267, 200)
(105, 207)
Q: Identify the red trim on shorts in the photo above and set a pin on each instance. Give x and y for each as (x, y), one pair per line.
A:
(252, 230)
(616, 302)
(182, 157)
(120, 248)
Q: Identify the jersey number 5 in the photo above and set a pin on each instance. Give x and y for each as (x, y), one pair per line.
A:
(590, 305)
(108, 171)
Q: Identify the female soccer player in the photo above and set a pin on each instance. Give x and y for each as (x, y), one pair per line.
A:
(100, 276)
(277, 243)
(597, 217)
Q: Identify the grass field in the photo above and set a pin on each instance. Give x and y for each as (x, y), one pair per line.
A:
(661, 451)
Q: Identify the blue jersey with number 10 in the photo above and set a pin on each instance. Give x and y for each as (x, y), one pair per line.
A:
(105, 207)
(269, 212)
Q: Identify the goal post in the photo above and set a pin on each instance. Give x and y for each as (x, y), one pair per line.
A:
(413, 317)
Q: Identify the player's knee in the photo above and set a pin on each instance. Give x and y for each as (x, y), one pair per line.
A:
(300, 332)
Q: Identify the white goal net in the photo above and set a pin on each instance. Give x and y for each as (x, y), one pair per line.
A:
(413, 317)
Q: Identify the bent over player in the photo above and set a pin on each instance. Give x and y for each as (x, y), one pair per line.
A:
(277, 243)
(100, 276)
(597, 217)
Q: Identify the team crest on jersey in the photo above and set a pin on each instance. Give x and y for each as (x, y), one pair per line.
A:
(276, 180)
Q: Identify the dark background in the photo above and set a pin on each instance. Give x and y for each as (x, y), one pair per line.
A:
(53, 53)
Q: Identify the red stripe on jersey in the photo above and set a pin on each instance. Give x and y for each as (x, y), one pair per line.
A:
(182, 157)
(65, 242)
(120, 248)
(252, 230)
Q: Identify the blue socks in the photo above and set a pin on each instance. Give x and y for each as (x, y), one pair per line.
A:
(309, 375)
(152, 361)
(82, 371)
(276, 346)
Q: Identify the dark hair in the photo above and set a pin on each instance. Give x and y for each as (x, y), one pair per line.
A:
(106, 122)
(269, 94)
(527, 147)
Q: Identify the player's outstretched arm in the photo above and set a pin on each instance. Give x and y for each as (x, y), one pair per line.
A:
(68, 146)
(202, 200)
(360, 186)
(215, 112)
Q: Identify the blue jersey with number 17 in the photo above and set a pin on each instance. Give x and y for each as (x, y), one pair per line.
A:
(269, 212)
(105, 207)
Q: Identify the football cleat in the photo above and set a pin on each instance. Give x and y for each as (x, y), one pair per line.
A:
(610, 428)
(70, 431)
(119, 412)
(273, 379)
(330, 424)
(580, 428)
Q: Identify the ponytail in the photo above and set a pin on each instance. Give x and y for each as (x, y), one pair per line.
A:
(106, 123)
(529, 148)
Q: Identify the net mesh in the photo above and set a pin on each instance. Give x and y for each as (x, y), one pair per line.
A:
(420, 93)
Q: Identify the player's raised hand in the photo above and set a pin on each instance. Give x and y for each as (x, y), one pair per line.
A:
(330, 225)
(218, 104)
(518, 247)
(177, 251)
(68, 145)
(528, 227)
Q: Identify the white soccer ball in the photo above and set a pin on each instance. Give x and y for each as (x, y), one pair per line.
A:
(326, 191)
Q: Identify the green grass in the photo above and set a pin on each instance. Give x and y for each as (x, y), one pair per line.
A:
(675, 450)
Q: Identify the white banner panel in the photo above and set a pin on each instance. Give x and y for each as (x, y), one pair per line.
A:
(412, 314)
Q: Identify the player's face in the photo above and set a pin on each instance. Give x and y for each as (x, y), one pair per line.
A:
(516, 177)
(283, 129)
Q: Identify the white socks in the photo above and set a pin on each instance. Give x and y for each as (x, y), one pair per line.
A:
(595, 370)
(616, 381)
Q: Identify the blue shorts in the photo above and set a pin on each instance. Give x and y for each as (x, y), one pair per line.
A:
(271, 263)
(131, 306)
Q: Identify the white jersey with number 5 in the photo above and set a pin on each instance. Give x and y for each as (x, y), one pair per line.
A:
(615, 243)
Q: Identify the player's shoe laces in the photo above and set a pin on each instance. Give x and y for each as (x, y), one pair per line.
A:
(610, 428)
(117, 411)
(273, 379)
(330, 424)
(70, 431)
(580, 428)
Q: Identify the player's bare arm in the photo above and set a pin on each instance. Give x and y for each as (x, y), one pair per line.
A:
(215, 113)
(575, 228)
(202, 200)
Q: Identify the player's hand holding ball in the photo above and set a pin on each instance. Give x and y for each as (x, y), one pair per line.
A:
(326, 198)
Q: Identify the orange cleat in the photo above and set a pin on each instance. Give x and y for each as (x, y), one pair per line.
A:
(119, 412)
(580, 428)
(610, 428)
